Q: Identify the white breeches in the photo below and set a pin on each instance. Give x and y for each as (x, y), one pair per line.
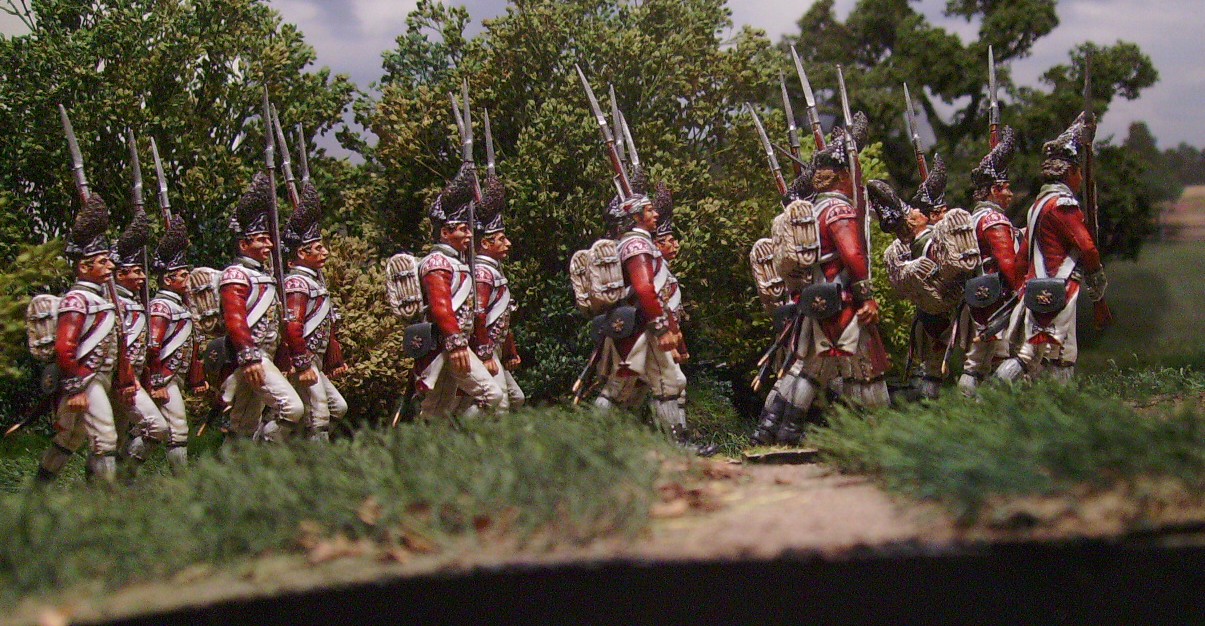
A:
(322, 401)
(247, 403)
(444, 398)
(94, 425)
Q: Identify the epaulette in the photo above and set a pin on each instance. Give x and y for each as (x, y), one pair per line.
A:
(234, 275)
(160, 308)
(635, 246)
(73, 303)
(1067, 202)
(435, 262)
(992, 218)
(839, 211)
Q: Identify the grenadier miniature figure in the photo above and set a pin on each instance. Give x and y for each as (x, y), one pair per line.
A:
(642, 360)
(493, 341)
(141, 424)
(991, 294)
(86, 349)
(668, 287)
(173, 351)
(836, 340)
(449, 374)
(250, 311)
(1063, 261)
(310, 335)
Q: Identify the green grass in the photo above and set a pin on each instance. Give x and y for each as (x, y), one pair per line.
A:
(1026, 440)
(559, 475)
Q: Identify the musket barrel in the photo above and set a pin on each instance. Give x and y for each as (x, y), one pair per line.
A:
(165, 206)
(612, 152)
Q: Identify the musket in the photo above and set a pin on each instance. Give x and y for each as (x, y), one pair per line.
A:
(993, 109)
(278, 266)
(787, 153)
(810, 98)
(286, 162)
(615, 121)
(775, 168)
(1103, 316)
(910, 123)
(165, 206)
(124, 371)
(625, 185)
(631, 144)
(139, 207)
(43, 405)
(467, 154)
(491, 167)
(303, 154)
(792, 131)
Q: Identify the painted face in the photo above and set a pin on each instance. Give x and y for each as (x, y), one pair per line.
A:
(132, 277)
(496, 246)
(916, 222)
(96, 269)
(257, 247)
(312, 256)
(938, 213)
(669, 246)
(1002, 195)
(176, 281)
(458, 236)
(647, 218)
(1075, 179)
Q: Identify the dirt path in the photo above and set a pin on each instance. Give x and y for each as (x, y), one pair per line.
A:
(734, 512)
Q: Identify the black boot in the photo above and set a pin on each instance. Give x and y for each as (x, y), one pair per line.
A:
(767, 427)
(790, 430)
(682, 437)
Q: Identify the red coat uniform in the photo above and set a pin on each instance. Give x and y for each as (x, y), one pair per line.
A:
(447, 287)
(1001, 253)
(1059, 243)
(173, 349)
(491, 331)
(86, 337)
(249, 297)
(842, 257)
(310, 331)
(642, 261)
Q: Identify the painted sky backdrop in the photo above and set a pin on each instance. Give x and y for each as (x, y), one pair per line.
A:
(350, 35)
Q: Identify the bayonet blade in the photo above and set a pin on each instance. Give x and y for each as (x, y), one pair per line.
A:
(304, 153)
(845, 103)
(136, 167)
(993, 109)
(627, 133)
(490, 166)
(808, 96)
(615, 120)
(786, 105)
(598, 114)
(164, 205)
(457, 116)
(468, 120)
(77, 157)
(775, 169)
(269, 141)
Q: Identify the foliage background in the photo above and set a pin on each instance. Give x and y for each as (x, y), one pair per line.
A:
(189, 74)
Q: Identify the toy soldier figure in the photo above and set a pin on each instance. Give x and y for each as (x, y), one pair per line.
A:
(645, 361)
(142, 421)
(86, 349)
(451, 371)
(493, 341)
(1063, 261)
(250, 310)
(991, 294)
(668, 287)
(310, 332)
(931, 330)
(836, 340)
(173, 354)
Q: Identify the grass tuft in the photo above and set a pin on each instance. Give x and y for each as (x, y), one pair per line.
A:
(561, 475)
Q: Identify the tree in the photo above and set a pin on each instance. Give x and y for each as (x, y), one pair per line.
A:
(186, 73)
(884, 43)
(681, 86)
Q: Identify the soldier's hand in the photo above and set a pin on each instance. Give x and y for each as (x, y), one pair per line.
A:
(339, 371)
(681, 356)
(513, 363)
(868, 313)
(200, 389)
(668, 342)
(159, 395)
(308, 377)
(254, 374)
(128, 393)
(491, 366)
(79, 402)
(460, 361)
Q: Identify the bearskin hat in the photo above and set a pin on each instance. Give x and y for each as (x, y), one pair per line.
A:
(87, 235)
(994, 167)
(251, 213)
(493, 205)
(639, 180)
(172, 252)
(132, 244)
(305, 225)
(932, 191)
(663, 202)
(891, 209)
(618, 213)
(801, 188)
(833, 156)
(1066, 146)
(860, 129)
(451, 207)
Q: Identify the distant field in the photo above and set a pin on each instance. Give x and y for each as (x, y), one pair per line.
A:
(1185, 219)
(1159, 304)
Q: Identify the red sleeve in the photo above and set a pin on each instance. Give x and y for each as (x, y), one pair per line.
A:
(509, 350)
(67, 342)
(296, 302)
(154, 345)
(848, 239)
(334, 354)
(1075, 233)
(234, 313)
(437, 285)
(639, 272)
(481, 334)
(196, 371)
(1000, 241)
